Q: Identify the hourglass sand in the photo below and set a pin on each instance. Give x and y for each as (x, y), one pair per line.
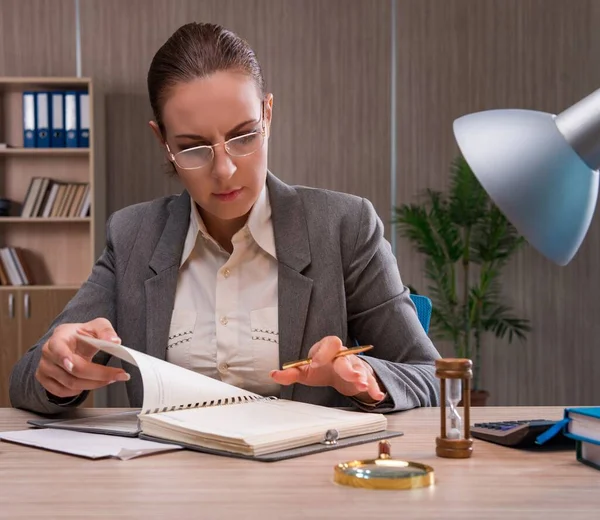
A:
(455, 441)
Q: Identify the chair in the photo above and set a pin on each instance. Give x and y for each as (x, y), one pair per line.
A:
(424, 306)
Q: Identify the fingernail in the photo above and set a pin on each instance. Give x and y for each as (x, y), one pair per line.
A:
(116, 339)
(111, 382)
(68, 365)
(123, 377)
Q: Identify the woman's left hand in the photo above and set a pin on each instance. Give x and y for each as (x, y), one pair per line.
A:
(349, 375)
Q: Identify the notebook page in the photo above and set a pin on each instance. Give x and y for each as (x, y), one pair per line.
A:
(267, 422)
(170, 387)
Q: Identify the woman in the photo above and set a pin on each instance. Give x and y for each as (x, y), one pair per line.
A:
(241, 272)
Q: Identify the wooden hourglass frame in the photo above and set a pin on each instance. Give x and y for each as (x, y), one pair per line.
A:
(459, 445)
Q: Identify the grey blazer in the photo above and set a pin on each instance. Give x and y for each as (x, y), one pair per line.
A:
(337, 276)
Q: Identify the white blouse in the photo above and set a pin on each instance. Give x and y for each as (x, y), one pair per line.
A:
(225, 319)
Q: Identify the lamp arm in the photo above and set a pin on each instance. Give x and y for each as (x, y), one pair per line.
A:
(580, 126)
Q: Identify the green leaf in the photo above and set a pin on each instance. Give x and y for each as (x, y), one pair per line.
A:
(499, 320)
(468, 200)
(463, 233)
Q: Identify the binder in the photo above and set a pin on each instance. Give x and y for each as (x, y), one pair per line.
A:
(57, 128)
(29, 116)
(71, 130)
(42, 120)
(83, 115)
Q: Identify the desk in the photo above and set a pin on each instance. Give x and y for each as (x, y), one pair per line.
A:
(494, 483)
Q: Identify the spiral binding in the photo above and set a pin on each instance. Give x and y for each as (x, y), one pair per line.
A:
(240, 399)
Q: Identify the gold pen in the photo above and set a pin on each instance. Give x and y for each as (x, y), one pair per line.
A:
(341, 353)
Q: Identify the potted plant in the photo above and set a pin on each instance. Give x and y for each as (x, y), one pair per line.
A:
(466, 241)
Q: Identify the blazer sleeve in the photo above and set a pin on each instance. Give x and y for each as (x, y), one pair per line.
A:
(381, 313)
(95, 298)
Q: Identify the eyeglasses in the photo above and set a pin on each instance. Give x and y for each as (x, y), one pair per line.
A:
(239, 146)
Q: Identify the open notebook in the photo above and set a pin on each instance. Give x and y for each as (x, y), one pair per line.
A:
(193, 410)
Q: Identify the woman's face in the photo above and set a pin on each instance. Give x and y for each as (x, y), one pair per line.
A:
(209, 111)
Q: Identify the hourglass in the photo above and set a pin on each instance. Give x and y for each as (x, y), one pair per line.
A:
(455, 384)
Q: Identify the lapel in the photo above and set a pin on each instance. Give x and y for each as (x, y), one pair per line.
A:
(293, 254)
(160, 288)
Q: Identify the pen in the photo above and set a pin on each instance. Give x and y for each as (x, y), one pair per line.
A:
(341, 353)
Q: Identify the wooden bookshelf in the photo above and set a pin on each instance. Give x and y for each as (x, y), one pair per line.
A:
(44, 151)
(43, 220)
(59, 251)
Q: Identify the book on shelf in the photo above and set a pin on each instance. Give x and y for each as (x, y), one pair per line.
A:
(14, 269)
(184, 407)
(46, 197)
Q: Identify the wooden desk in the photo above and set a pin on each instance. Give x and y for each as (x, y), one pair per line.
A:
(495, 483)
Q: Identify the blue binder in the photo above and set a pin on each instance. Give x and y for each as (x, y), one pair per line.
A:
(29, 116)
(83, 116)
(71, 127)
(43, 119)
(57, 128)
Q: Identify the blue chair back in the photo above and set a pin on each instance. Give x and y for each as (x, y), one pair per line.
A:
(424, 306)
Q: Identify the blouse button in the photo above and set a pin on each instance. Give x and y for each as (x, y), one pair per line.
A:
(226, 273)
(224, 320)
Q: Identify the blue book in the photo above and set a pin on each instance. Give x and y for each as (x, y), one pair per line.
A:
(42, 119)
(582, 423)
(57, 127)
(71, 126)
(29, 116)
(83, 116)
(588, 453)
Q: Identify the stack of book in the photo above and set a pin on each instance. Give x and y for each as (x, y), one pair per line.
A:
(49, 198)
(13, 267)
(583, 425)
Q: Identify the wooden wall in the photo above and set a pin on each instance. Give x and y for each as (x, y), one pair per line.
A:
(331, 119)
(328, 65)
(460, 56)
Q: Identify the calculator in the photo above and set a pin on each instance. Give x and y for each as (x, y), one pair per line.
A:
(518, 434)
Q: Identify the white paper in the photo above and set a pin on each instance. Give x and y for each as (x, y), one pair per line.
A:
(277, 419)
(89, 445)
(170, 387)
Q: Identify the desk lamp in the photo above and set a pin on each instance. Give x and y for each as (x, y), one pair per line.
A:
(540, 170)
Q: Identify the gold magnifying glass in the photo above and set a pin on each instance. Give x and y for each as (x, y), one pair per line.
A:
(384, 472)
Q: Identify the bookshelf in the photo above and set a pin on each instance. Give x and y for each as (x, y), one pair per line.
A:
(58, 251)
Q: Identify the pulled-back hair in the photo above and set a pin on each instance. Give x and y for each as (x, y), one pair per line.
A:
(197, 50)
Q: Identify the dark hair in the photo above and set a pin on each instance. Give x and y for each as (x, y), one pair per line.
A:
(197, 50)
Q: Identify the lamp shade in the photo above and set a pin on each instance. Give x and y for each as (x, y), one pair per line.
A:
(534, 176)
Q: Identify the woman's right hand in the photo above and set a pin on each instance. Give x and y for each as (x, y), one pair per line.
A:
(66, 368)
